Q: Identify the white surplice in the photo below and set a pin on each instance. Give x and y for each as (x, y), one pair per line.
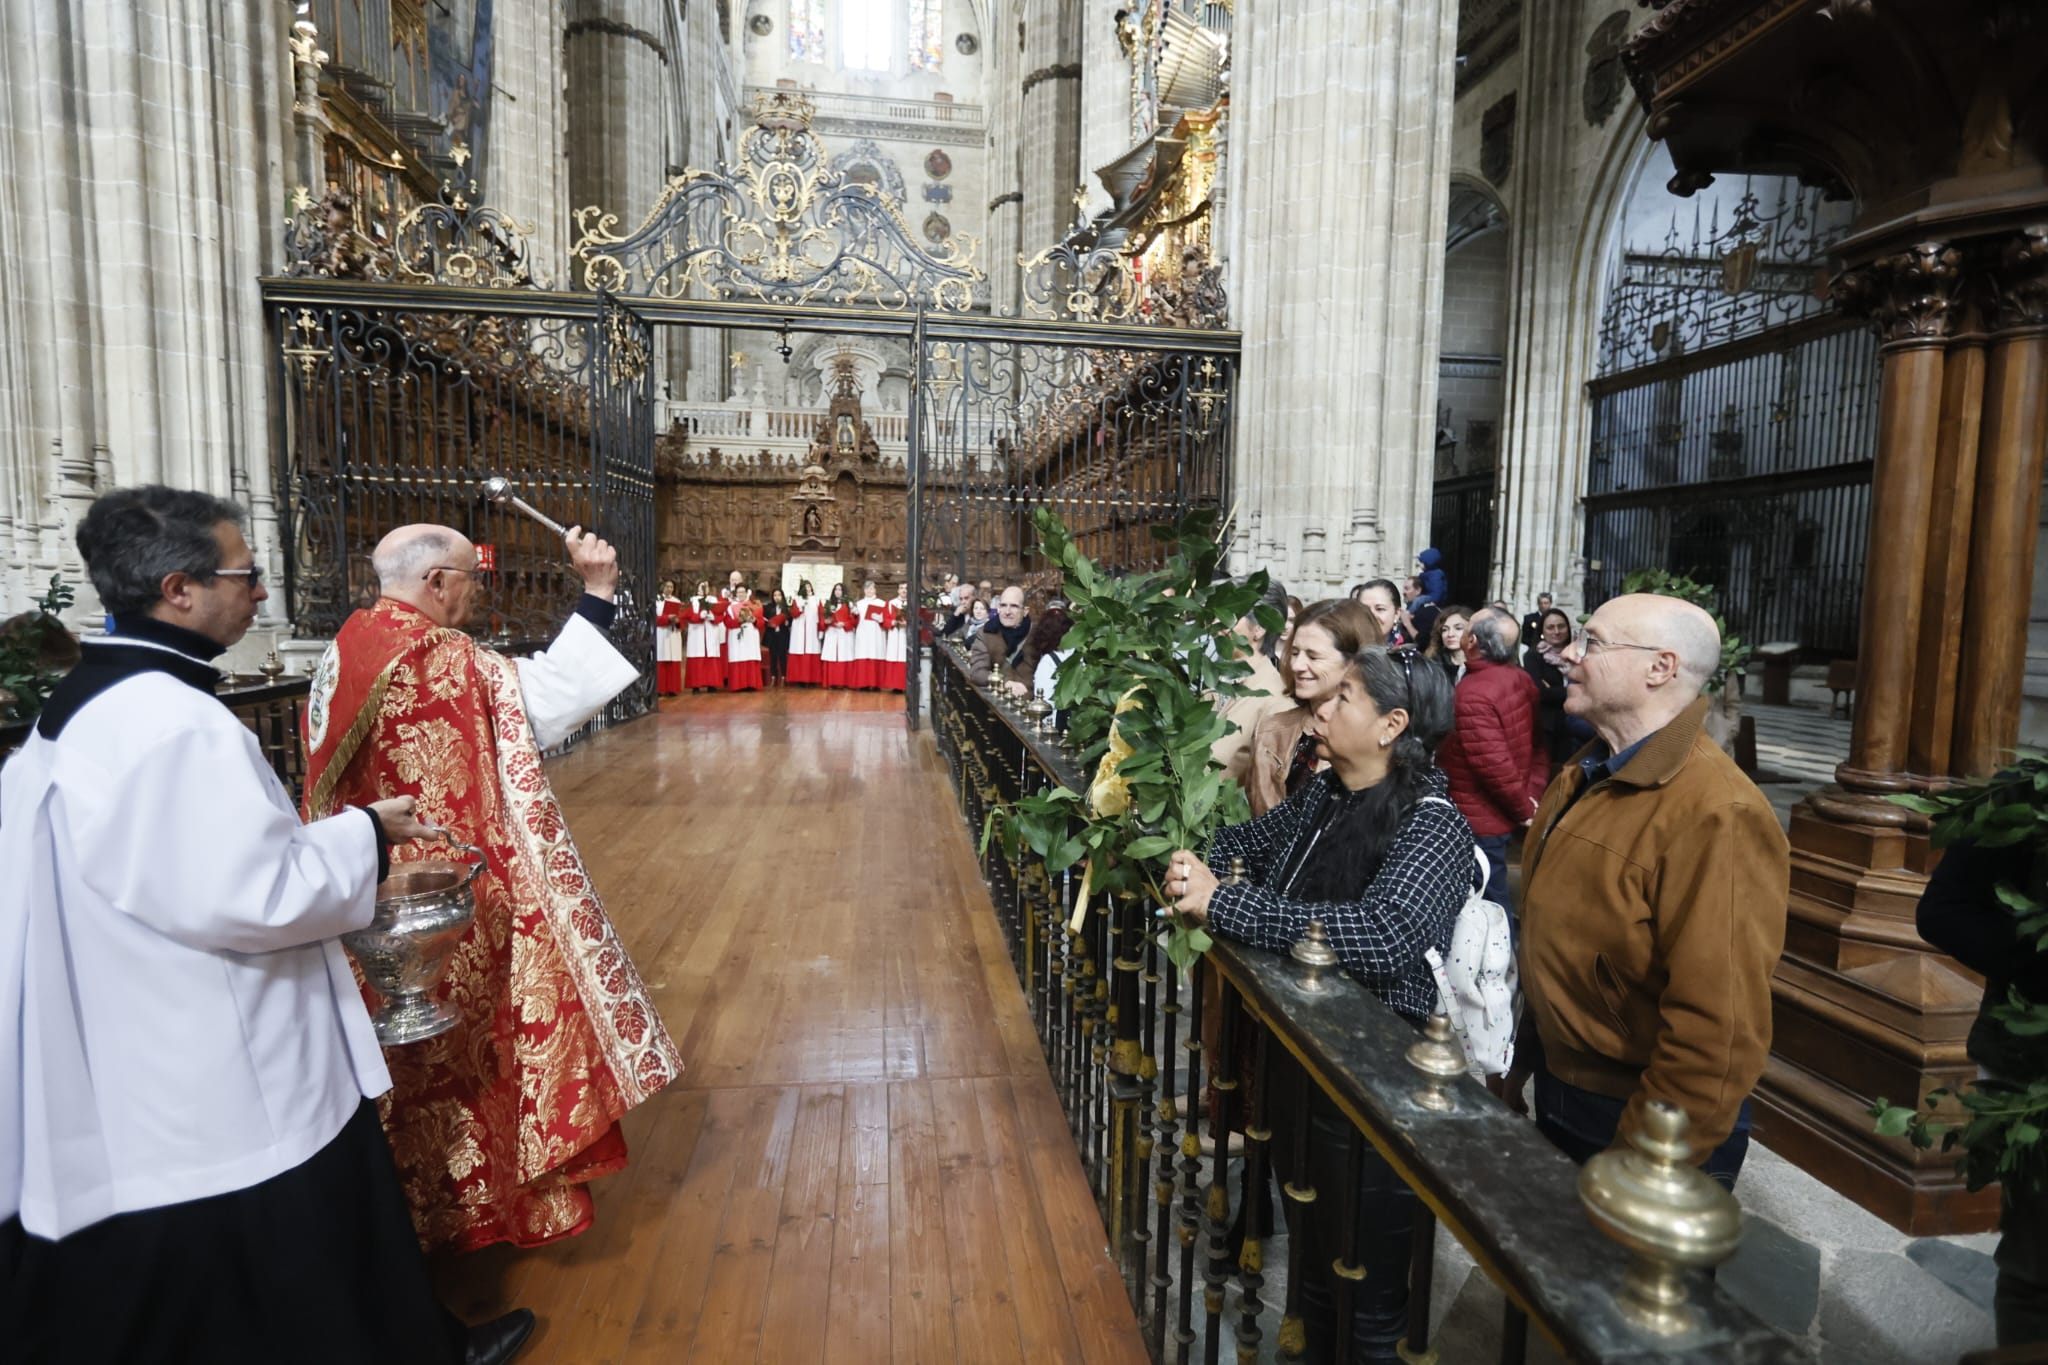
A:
(176, 1018)
(570, 681)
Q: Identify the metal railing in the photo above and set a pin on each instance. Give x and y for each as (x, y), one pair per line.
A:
(832, 105)
(1123, 1039)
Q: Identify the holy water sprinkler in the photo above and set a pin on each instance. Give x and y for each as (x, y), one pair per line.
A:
(497, 488)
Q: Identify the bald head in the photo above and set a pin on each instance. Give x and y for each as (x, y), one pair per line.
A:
(432, 568)
(1668, 623)
(1642, 661)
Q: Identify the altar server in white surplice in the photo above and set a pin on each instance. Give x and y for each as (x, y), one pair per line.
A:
(870, 638)
(806, 641)
(191, 1166)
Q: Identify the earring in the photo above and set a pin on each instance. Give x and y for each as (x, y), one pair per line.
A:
(1383, 741)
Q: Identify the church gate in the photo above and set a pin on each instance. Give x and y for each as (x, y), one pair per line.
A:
(419, 354)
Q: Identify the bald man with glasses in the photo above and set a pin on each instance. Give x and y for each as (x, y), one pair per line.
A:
(1001, 643)
(1654, 883)
(501, 1124)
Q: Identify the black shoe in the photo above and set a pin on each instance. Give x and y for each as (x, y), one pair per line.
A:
(497, 1341)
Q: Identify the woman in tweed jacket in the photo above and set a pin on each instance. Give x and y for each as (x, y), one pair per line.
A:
(1372, 848)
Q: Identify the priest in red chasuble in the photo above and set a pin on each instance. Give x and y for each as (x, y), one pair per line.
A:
(498, 1124)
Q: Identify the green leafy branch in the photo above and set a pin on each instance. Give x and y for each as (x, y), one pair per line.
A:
(29, 646)
(1136, 692)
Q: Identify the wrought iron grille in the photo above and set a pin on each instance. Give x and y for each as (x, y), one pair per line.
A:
(1115, 440)
(1749, 468)
(1734, 420)
(396, 416)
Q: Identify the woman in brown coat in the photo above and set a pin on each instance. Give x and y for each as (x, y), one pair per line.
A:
(1325, 638)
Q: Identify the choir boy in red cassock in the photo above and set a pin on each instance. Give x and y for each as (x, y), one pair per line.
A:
(668, 642)
(897, 621)
(870, 638)
(806, 639)
(742, 642)
(704, 641)
(835, 614)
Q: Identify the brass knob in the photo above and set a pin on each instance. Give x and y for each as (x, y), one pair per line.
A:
(1314, 956)
(272, 666)
(1668, 1212)
(1440, 1060)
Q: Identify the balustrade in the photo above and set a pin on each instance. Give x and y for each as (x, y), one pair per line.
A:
(1122, 1034)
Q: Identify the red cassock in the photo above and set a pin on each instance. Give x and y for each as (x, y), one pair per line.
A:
(742, 649)
(669, 624)
(498, 1124)
(837, 658)
(806, 662)
(895, 655)
(870, 643)
(704, 653)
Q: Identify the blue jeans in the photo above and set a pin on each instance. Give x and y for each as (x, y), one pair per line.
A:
(1581, 1124)
(1495, 847)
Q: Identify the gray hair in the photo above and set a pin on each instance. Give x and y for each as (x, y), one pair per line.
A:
(134, 538)
(409, 561)
(1496, 635)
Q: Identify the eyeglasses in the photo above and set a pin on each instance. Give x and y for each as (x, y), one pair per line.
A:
(446, 568)
(254, 574)
(1589, 645)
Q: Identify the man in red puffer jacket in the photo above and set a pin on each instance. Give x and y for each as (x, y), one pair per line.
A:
(1495, 755)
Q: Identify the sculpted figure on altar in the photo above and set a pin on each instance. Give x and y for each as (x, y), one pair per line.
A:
(499, 1124)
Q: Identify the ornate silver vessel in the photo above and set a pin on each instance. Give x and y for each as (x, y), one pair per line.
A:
(422, 909)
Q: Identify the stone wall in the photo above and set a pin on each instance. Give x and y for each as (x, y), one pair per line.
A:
(143, 165)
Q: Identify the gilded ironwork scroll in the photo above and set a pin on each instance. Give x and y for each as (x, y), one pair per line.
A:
(456, 239)
(782, 227)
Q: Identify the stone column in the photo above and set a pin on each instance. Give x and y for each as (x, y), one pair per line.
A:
(133, 333)
(1049, 135)
(1343, 122)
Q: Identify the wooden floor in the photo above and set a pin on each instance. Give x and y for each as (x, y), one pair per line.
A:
(866, 1160)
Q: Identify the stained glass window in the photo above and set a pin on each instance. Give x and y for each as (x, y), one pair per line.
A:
(807, 30)
(925, 49)
(864, 31)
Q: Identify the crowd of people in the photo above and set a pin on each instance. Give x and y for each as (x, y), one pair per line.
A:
(719, 642)
(1384, 739)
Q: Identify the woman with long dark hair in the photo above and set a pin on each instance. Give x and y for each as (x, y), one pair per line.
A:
(1373, 849)
(1545, 663)
(775, 618)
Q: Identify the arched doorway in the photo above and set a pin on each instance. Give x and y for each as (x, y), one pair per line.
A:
(1733, 412)
(1470, 389)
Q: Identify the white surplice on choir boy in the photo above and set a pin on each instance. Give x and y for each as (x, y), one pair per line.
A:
(176, 1019)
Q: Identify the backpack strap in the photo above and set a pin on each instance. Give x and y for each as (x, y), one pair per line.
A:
(1478, 856)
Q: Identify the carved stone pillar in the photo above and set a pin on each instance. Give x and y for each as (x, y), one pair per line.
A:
(1341, 281)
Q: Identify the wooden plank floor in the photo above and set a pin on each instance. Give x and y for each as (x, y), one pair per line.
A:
(866, 1160)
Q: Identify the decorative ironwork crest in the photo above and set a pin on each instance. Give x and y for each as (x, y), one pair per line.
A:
(455, 240)
(1766, 266)
(783, 227)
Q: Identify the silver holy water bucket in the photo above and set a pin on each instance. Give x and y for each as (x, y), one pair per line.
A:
(422, 909)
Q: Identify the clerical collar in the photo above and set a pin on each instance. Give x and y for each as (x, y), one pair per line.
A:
(140, 644)
(188, 642)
